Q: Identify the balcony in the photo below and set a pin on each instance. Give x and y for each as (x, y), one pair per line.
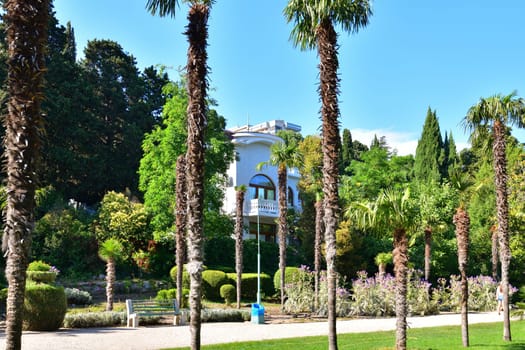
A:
(261, 207)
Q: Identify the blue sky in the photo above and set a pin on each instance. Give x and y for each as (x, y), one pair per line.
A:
(412, 55)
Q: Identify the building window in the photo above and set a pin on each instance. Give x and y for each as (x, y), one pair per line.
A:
(268, 231)
(289, 197)
(261, 187)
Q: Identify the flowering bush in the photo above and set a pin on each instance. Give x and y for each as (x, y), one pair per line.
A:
(376, 296)
(300, 291)
(481, 293)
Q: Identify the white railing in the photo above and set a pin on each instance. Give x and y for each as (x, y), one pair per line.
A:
(263, 207)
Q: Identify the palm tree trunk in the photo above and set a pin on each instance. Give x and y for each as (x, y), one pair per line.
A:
(428, 243)
(197, 33)
(283, 227)
(180, 223)
(400, 255)
(462, 222)
(495, 255)
(110, 283)
(26, 35)
(239, 242)
(502, 212)
(317, 249)
(329, 89)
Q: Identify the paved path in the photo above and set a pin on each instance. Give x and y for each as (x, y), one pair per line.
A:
(158, 337)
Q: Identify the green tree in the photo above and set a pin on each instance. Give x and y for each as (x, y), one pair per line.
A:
(157, 170)
(196, 70)
(429, 151)
(111, 250)
(314, 29)
(284, 155)
(496, 112)
(124, 220)
(347, 150)
(393, 210)
(26, 34)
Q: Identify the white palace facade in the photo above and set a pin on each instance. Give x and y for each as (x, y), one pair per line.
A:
(252, 146)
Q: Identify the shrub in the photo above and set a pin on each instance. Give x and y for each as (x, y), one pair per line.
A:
(225, 315)
(289, 274)
(94, 319)
(165, 294)
(38, 265)
(44, 307)
(249, 285)
(212, 280)
(228, 293)
(300, 292)
(76, 296)
(185, 276)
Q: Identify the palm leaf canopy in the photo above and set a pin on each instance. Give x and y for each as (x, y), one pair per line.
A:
(286, 152)
(393, 209)
(111, 248)
(169, 7)
(307, 15)
(508, 109)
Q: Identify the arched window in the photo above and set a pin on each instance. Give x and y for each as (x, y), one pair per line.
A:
(261, 187)
(289, 197)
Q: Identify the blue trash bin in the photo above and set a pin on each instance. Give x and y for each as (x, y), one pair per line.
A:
(257, 313)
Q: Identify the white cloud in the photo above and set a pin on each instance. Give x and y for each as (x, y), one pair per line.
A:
(405, 143)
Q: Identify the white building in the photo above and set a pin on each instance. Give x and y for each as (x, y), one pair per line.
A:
(252, 146)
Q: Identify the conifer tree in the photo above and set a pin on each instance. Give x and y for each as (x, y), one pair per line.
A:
(429, 151)
(347, 151)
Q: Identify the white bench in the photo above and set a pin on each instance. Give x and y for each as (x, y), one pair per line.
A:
(152, 307)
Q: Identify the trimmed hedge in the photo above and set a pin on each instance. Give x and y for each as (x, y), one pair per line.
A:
(45, 307)
(212, 281)
(249, 284)
(185, 276)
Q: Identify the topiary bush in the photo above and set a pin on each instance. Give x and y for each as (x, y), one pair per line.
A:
(45, 307)
(225, 315)
(75, 296)
(212, 280)
(165, 294)
(249, 285)
(39, 271)
(228, 293)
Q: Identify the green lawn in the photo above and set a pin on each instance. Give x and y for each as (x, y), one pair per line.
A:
(482, 336)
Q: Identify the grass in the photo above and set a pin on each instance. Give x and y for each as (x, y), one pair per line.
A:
(482, 336)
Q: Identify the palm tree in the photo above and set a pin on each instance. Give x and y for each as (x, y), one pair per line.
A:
(284, 155)
(26, 35)
(395, 211)
(180, 222)
(197, 84)
(462, 222)
(496, 112)
(314, 28)
(240, 191)
(111, 250)
(382, 260)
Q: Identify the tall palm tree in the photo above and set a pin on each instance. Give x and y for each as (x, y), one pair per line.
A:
(314, 29)
(26, 35)
(111, 250)
(197, 85)
(393, 210)
(284, 155)
(239, 218)
(462, 222)
(180, 222)
(496, 112)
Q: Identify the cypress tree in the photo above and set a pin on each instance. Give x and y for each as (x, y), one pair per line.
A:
(347, 151)
(430, 153)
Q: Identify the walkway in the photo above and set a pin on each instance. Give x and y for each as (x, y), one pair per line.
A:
(158, 337)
